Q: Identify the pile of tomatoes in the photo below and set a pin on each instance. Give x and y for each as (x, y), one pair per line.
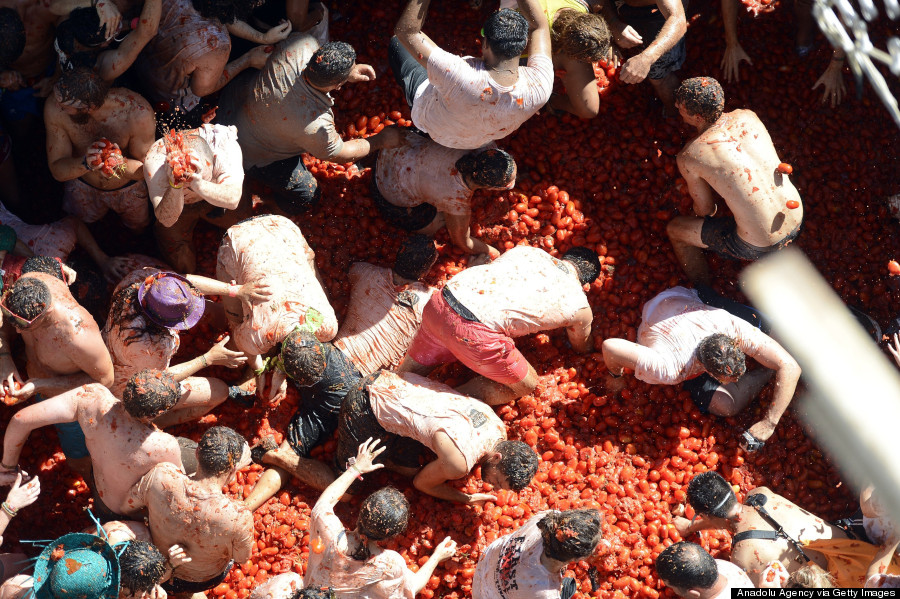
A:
(179, 158)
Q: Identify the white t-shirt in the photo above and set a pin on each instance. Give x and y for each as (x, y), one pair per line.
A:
(672, 326)
(510, 567)
(524, 291)
(736, 577)
(282, 586)
(461, 107)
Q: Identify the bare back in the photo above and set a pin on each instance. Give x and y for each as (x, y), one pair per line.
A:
(39, 22)
(735, 157)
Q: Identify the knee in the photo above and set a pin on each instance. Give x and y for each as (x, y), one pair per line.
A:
(676, 229)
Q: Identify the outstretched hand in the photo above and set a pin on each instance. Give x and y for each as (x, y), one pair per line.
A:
(20, 495)
(365, 456)
(832, 80)
(731, 61)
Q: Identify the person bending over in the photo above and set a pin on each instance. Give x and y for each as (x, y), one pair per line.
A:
(692, 573)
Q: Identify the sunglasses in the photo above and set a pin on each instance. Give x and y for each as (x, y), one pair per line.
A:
(19, 322)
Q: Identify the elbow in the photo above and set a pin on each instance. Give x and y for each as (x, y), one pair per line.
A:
(107, 380)
(682, 28)
(586, 112)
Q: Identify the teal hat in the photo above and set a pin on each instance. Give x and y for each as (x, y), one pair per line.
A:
(77, 566)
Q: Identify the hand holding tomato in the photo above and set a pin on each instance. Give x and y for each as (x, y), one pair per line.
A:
(446, 549)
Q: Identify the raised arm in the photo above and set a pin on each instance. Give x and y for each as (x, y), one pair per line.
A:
(113, 63)
(167, 199)
(636, 68)
(363, 463)
(409, 31)
(579, 331)
(787, 373)
(211, 78)
(56, 410)
(225, 195)
(539, 36)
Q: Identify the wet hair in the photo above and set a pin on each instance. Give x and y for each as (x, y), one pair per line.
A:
(226, 11)
(219, 450)
(383, 514)
(710, 494)
(583, 36)
(125, 309)
(28, 298)
(811, 576)
(86, 28)
(303, 357)
(586, 262)
(200, 150)
(570, 535)
(84, 85)
(416, 257)
(45, 264)
(142, 567)
(506, 31)
(686, 566)
(518, 462)
(721, 356)
(489, 168)
(150, 393)
(330, 64)
(701, 96)
(314, 593)
(12, 37)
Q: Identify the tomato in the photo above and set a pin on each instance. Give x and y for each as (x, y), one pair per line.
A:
(784, 168)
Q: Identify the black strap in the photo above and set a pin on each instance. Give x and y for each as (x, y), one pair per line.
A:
(757, 501)
(457, 307)
(768, 535)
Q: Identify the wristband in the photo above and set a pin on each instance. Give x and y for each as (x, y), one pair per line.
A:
(12, 468)
(203, 360)
(8, 509)
(617, 376)
(84, 163)
(175, 186)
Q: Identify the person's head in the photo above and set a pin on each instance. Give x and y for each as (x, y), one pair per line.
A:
(26, 301)
(226, 11)
(711, 495)
(811, 576)
(221, 451)
(687, 569)
(722, 358)
(303, 357)
(505, 34)
(511, 465)
(45, 264)
(582, 36)
(83, 31)
(199, 151)
(314, 593)
(570, 535)
(141, 567)
(330, 66)
(12, 37)
(80, 92)
(700, 100)
(487, 169)
(586, 263)
(383, 514)
(150, 393)
(416, 257)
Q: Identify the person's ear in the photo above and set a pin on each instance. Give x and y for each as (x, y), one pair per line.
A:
(494, 458)
(693, 594)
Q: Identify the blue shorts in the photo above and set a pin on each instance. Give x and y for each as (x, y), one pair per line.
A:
(15, 106)
(71, 437)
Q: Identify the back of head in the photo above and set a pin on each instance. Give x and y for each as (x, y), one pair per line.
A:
(226, 11)
(702, 96)
(28, 298)
(492, 169)
(710, 494)
(303, 357)
(82, 87)
(506, 31)
(198, 148)
(141, 567)
(331, 64)
(518, 462)
(383, 514)
(721, 356)
(150, 393)
(570, 535)
(12, 37)
(314, 593)
(811, 576)
(219, 450)
(685, 566)
(416, 257)
(587, 263)
(44, 264)
(582, 36)
(86, 28)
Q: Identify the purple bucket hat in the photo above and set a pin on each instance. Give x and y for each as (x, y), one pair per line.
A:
(169, 300)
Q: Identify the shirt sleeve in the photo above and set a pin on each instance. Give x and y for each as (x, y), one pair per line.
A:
(447, 72)
(460, 205)
(653, 368)
(325, 525)
(539, 71)
(397, 577)
(750, 339)
(321, 139)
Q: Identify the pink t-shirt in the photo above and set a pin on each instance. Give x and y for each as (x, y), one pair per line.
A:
(272, 250)
(382, 576)
(524, 291)
(381, 320)
(422, 171)
(282, 586)
(510, 567)
(461, 107)
(672, 326)
(416, 407)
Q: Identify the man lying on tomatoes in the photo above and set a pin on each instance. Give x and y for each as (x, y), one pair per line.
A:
(732, 156)
(681, 339)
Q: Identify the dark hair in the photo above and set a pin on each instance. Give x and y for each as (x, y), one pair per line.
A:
(226, 11)
(582, 35)
(28, 298)
(709, 494)
(142, 566)
(150, 393)
(570, 535)
(314, 593)
(518, 462)
(701, 96)
(219, 449)
(125, 309)
(721, 356)
(383, 514)
(86, 28)
(506, 31)
(330, 64)
(45, 264)
(416, 257)
(488, 168)
(687, 566)
(84, 85)
(12, 37)
(586, 262)
(303, 357)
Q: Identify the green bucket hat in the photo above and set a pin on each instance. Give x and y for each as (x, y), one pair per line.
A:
(77, 566)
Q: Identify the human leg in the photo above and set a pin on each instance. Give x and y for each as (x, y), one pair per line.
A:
(269, 483)
(685, 234)
(199, 395)
(665, 91)
(310, 472)
(494, 393)
(406, 69)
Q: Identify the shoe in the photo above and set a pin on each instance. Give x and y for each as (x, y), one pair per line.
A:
(245, 399)
(265, 445)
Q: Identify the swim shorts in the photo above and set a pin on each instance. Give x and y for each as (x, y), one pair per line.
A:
(720, 235)
(131, 203)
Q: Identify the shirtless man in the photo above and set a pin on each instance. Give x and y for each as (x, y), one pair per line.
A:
(479, 311)
(191, 511)
(732, 156)
(83, 112)
(122, 442)
(212, 194)
(692, 573)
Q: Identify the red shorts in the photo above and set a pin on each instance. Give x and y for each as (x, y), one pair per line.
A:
(445, 337)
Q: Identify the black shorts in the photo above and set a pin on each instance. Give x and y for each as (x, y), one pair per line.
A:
(408, 219)
(357, 423)
(174, 586)
(702, 389)
(648, 22)
(720, 235)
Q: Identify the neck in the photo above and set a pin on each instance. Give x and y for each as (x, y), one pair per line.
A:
(212, 483)
(716, 589)
(324, 90)
(508, 65)
(553, 566)
(398, 280)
